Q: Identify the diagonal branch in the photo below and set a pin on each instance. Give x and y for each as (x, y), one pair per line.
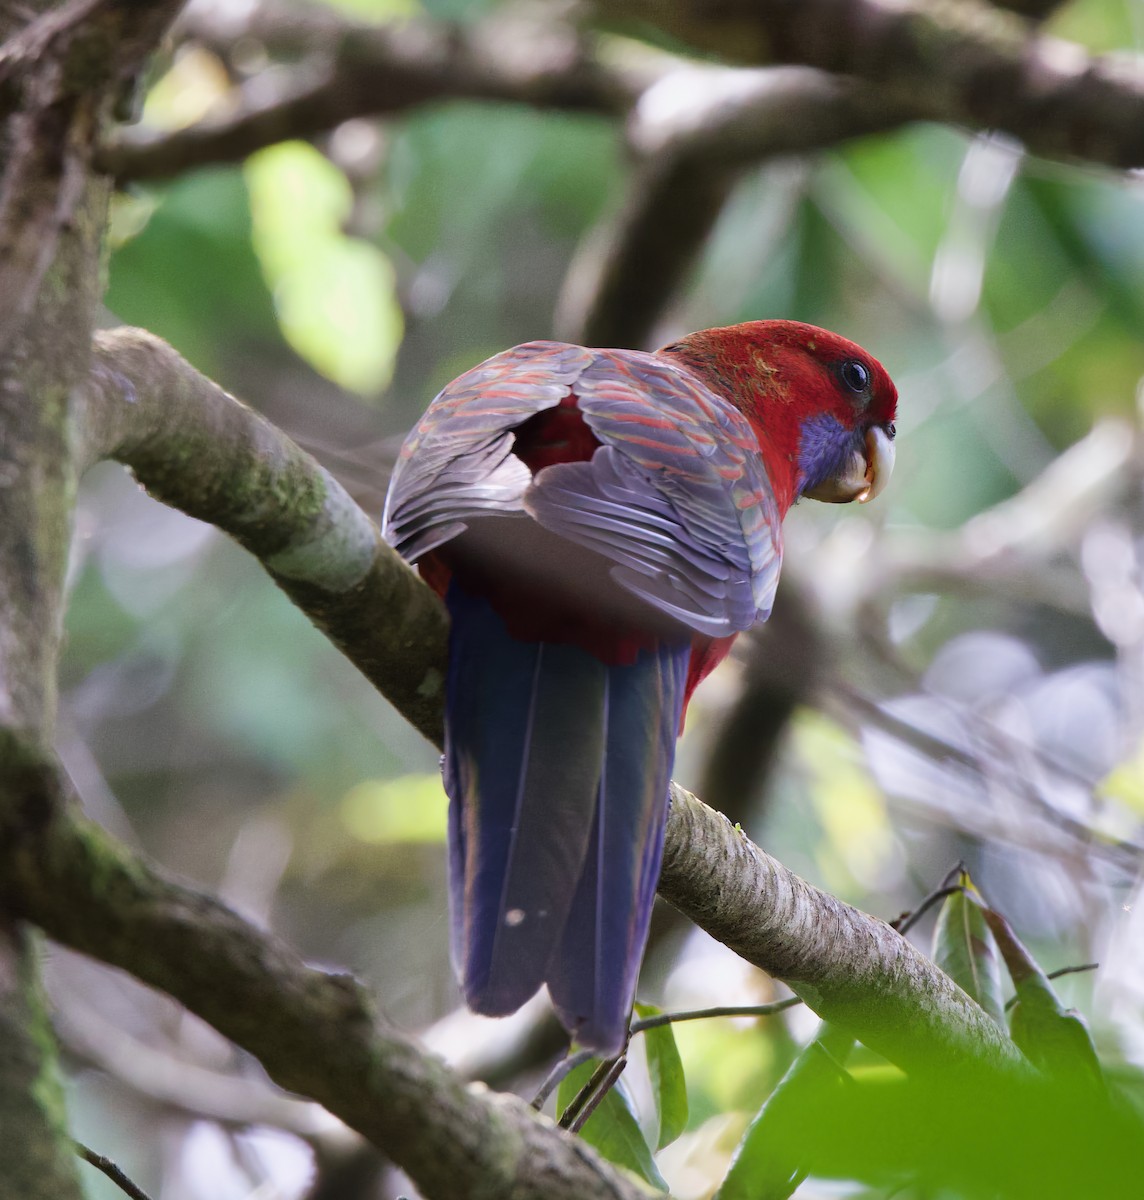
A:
(148, 408)
(315, 1033)
(693, 132)
(198, 449)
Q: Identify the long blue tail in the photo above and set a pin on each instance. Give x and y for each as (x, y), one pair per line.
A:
(557, 769)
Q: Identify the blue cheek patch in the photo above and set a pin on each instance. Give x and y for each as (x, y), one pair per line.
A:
(824, 446)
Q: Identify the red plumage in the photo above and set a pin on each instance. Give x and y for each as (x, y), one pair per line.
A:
(776, 373)
(601, 524)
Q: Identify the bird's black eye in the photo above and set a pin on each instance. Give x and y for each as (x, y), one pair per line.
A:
(891, 431)
(854, 375)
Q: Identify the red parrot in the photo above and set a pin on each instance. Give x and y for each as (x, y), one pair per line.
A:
(601, 524)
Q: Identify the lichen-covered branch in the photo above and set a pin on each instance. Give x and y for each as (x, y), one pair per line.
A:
(316, 1033)
(58, 72)
(850, 968)
(151, 410)
(198, 449)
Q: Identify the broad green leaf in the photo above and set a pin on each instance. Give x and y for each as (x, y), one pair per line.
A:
(378, 10)
(667, 1082)
(770, 1161)
(937, 1133)
(195, 82)
(965, 949)
(1054, 1038)
(613, 1128)
(410, 808)
(335, 295)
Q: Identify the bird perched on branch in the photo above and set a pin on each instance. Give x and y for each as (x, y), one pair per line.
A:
(601, 524)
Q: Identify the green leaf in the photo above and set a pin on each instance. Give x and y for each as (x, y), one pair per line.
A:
(613, 1128)
(770, 1161)
(1054, 1038)
(966, 951)
(407, 809)
(667, 1082)
(1009, 1136)
(335, 295)
(189, 273)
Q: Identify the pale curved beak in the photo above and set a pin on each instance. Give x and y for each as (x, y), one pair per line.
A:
(879, 462)
(864, 476)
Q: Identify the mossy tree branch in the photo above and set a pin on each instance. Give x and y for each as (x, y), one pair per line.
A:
(195, 447)
(315, 1033)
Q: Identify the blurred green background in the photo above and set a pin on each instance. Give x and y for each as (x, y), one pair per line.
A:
(967, 707)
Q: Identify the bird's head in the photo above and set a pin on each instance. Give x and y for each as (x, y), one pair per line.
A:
(822, 408)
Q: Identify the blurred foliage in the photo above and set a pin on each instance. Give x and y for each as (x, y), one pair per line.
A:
(337, 286)
(333, 294)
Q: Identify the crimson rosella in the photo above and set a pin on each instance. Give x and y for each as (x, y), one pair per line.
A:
(601, 523)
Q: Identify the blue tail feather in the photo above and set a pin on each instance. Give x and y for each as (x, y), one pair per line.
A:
(557, 768)
(523, 744)
(593, 975)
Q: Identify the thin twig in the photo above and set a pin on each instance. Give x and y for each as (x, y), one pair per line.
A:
(592, 1101)
(117, 1176)
(581, 1098)
(1074, 970)
(700, 1014)
(908, 920)
(563, 1068)
(569, 1064)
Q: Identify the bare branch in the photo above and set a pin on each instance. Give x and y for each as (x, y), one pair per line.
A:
(692, 132)
(850, 968)
(359, 70)
(967, 62)
(114, 1173)
(178, 1084)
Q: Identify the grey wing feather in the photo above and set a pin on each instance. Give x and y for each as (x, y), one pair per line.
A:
(676, 497)
(457, 463)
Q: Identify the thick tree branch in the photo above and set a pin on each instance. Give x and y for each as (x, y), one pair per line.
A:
(358, 70)
(200, 450)
(58, 71)
(151, 410)
(314, 1032)
(850, 968)
(692, 133)
(967, 62)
